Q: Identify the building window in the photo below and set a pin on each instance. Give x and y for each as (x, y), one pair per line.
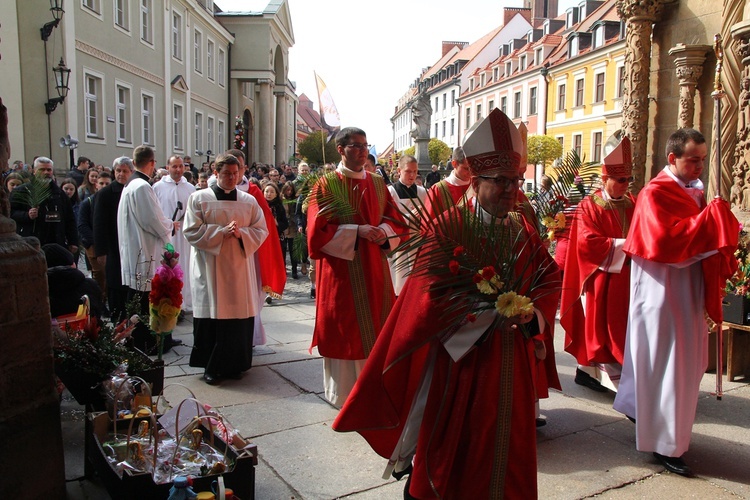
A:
(93, 5)
(198, 51)
(445, 101)
(93, 102)
(437, 105)
(436, 130)
(220, 136)
(596, 153)
(508, 69)
(123, 114)
(176, 36)
(599, 90)
(491, 105)
(495, 74)
(177, 127)
(220, 70)
(579, 93)
(453, 98)
(198, 131)
(453, 126)
(532, 100)
(517, 105)
(620, 81)
(444, 125)
(468, 118)
(147, 30)
(482, 80)
(522, 63)
(504, 105)
(147, 119)
(561, 97)
(210, 134)
(577, 143)
(121, 14)
(210, 59)
(479, 112)
(538, 56)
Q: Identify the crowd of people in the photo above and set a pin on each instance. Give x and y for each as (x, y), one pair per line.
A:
(435, 305)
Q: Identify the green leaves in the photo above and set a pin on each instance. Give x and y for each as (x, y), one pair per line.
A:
(35, 192)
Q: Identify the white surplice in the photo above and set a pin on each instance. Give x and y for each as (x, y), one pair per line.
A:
(399, 270)
(169, 193)
(224, 283)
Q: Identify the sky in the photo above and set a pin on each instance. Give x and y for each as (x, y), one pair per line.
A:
(369, 52)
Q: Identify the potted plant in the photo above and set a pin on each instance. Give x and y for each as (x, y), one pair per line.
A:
(736, 303)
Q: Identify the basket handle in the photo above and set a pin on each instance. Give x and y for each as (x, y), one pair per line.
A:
(198, 418)
(161, 395)
(117, 401)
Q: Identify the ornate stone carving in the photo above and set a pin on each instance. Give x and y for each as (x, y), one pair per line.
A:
(640, 16)
(736, 121)
(689, 61)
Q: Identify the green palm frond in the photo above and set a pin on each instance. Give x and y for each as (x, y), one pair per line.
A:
(335, 197)
(299, 247)
(36, 192)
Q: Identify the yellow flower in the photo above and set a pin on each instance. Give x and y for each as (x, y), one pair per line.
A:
(485, 286)
(560, 218)
(551, 235)
(496, 281)
(511, 304)
(548, 221)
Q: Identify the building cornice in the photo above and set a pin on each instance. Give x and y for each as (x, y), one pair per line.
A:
(117, 62)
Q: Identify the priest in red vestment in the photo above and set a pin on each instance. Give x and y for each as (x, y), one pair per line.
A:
(682, 252)
(449, 191)
(597, 272)
(352, 222)
(447, 395)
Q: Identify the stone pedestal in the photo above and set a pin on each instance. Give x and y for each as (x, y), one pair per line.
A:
(688, 61)
(422, 153)
(31, 453)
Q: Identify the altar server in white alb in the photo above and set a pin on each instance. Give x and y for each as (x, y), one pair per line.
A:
(225, 226)
(405, 192)
(173, 191)
(682, 254)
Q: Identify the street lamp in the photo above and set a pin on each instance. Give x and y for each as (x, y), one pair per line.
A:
(62, 77)
(56, 6)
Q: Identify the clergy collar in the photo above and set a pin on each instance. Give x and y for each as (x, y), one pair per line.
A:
(140, 175)
(455, 181)
(485, 216)
(347, 172)
(696, 184)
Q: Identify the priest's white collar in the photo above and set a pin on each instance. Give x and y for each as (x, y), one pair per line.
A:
(347, 172)
(455, 181)
(485, 216)
(696, 184)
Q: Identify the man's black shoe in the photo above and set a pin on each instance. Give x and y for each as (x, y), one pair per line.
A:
(541, 422)
(399, 475)
(630, 418)
(674, 464)
(586, 380)
(312, 293)
(173, 343)
(210, 379)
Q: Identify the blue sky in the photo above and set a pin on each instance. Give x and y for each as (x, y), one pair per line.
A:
(369, 52)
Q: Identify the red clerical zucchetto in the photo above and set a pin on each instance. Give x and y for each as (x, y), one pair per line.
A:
(494, 146)
(619, 163)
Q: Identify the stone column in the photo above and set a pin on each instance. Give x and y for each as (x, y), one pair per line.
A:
(688, 60)
(640, 16)
(265, 139)
(281, 141)
(740, 191)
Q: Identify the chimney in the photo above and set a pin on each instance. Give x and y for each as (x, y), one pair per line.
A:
(447, 46)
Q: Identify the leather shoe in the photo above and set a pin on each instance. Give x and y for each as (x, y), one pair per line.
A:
(174, 342)
(211, 379)
(586, 380)
(541, 422)
(674, 464)
(630, 418)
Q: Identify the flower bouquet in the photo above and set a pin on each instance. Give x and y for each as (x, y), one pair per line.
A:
(165, 298)
(739, 284)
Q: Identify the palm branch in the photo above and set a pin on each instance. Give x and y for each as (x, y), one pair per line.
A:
(299, 247)
(36, 192)
(335, 197)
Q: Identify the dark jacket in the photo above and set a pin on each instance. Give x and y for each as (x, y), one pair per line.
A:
(277, 209)
(66, 287)
(56, 207)
(86, 221)
(106, 241)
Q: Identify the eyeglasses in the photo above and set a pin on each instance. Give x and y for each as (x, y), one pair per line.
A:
(623, 180)
(503, 182)
(357, 145)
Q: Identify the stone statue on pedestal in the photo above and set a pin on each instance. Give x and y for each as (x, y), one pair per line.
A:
(421, 111)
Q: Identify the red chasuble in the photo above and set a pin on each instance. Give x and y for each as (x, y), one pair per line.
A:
(598, 336)
(442, 196)
(353, 297)
(668, 227)
(477, 438)
(272, 265)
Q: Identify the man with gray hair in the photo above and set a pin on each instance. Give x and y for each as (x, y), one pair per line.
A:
(106, 242)
(51, 218)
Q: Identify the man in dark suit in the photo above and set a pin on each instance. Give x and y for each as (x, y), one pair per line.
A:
(106, 242)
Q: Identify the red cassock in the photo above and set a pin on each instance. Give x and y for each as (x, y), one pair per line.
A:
(272, 265)
(442, 196)
(354, 297)
(477, 438)
(673, 228)
(598, 336)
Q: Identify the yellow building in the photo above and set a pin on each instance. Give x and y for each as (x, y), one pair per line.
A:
(585, 80)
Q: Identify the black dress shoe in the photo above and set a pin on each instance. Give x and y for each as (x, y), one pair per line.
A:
(586, 380)
(399, 475)
(211, 379)
(630, 418)
(312, 293)
(173, 342)
(541, 422)
(674, 464)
